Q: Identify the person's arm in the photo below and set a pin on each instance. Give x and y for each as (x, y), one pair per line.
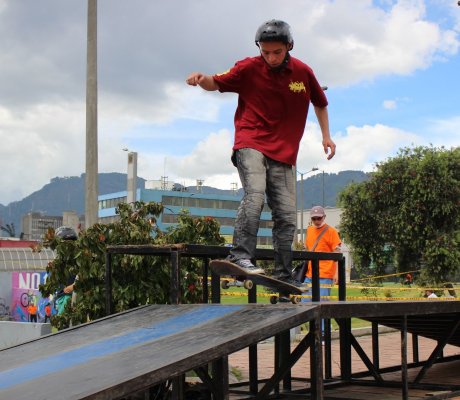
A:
(335, 279)
(206, 82)
(69, 289)
(323, 120)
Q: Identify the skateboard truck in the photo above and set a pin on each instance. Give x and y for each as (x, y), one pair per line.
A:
(246, 283)
(275, 299)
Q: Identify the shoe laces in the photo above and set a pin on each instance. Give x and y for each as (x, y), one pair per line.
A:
(245, 263)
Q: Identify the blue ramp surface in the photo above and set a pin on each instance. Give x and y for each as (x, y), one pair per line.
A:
(118, 355)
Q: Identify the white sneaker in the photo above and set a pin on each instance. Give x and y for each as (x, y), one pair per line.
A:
(248, 266)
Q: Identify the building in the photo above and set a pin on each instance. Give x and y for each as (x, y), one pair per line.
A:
(35, 224)
(221, 207)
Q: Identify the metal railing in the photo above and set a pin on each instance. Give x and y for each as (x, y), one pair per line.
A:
(206, 253)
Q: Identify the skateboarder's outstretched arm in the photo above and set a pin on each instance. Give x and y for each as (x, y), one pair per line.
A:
(206, 82)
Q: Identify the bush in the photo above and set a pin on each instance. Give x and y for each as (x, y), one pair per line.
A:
(136, 280)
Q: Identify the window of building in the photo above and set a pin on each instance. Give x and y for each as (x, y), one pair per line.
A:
(111, 203)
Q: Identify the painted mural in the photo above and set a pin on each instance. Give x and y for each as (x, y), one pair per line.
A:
(26, 299)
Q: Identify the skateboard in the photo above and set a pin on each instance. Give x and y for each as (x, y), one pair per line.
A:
(238, 276)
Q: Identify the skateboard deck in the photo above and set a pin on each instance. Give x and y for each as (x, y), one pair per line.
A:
(228, 269)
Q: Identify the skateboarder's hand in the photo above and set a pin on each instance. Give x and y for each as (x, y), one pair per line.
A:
(206, 82)
(328, 144)
(195, 78)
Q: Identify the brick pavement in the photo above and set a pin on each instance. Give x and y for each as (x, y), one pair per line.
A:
(390, 355)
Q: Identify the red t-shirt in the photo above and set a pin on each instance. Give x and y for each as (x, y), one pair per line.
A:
(272, 105)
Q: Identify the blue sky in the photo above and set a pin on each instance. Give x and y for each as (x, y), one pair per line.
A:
(391, 66)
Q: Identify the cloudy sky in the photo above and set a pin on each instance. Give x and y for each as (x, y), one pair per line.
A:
(391, 66)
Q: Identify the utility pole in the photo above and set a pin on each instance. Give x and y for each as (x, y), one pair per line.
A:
(91, 184)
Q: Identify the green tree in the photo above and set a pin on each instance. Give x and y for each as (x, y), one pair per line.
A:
(136, 280)
(408, 209)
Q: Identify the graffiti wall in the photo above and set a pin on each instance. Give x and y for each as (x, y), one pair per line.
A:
(25, 293)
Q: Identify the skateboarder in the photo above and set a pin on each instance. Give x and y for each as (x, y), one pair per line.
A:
(274, 93)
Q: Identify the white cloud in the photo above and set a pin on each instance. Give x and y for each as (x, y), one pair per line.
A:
(389, 104)
(142, 71)
(210, 157)
(367, 42)
(178, 101)
(362, 147)
(358, 149)
(42, 142)
(192, 104)
(209, 160)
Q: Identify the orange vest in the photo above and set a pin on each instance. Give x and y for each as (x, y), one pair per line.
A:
(32, 309)
(327, 244)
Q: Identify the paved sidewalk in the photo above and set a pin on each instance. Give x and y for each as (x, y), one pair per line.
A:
(389, 349)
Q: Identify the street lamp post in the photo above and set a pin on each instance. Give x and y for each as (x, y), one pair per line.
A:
(323, 191)
(301, 201)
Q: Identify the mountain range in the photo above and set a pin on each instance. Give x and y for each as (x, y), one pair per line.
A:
(67, 193)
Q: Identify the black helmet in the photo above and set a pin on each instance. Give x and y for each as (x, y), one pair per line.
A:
(66, 233)
(275, 30)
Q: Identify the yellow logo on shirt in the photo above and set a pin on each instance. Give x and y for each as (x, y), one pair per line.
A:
(223, 73)
(297, 87)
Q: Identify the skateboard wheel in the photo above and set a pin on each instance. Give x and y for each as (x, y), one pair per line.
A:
(295, 300)
(248, 284)
(224, 284)
(273, 299)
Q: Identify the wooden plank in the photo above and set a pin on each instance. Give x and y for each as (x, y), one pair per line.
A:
(377, 309)
(135, 350)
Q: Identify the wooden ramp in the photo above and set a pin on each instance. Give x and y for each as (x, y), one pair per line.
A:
(437, 320)
(132, 351)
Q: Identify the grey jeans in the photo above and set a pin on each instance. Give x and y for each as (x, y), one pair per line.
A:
(262, 176)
